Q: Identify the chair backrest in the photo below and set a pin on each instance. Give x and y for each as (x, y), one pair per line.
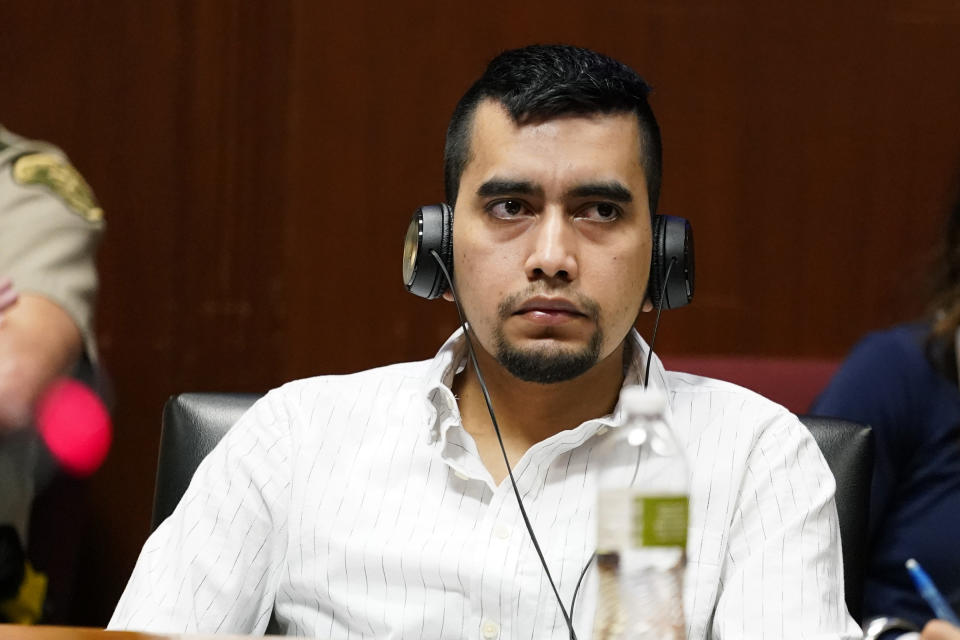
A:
(193, 424)
(848, 449)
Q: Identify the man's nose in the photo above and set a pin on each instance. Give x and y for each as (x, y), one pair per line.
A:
(554, 248)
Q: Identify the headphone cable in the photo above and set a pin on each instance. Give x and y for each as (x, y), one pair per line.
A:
(568, 617)
(646, 380)
(656, 323)
(503, 449)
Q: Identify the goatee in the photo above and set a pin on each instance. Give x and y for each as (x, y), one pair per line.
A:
(549, 364)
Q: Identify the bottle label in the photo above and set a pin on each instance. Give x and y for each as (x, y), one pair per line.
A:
(629, 519)
(660, 521)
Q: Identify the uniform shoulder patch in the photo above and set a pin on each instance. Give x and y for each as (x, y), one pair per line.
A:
(56, 174)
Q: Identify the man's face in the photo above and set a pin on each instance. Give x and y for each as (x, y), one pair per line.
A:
(552, 239)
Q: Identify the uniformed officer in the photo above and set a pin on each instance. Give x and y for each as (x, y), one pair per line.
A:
(50, 225)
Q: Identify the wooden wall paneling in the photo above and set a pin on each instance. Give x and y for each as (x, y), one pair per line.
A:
(176, 115)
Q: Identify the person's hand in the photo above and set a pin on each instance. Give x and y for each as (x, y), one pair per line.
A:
(940, 630)
(8, 295)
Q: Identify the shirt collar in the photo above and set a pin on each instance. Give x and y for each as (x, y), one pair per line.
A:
(635, 369)
(452, 358)
(441, 403)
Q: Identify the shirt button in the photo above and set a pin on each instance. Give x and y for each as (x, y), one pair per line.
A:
(490, 629)
(502, 531)
(462, 476)
(602, 429)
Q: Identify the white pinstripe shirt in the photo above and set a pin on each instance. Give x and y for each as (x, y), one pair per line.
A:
(358, 507)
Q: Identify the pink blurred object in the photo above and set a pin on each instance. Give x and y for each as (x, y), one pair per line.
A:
(75, 426)
(792, 382)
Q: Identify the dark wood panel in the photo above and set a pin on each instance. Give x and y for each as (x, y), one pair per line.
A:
(258, 162)
(175, 112)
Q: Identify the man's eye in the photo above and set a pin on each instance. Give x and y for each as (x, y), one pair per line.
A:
(601, 211)
(506, 209)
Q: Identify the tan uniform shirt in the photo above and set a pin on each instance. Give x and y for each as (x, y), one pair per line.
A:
(50, 226)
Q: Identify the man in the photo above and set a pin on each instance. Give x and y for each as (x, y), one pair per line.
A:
(50, 226)
(377, 505)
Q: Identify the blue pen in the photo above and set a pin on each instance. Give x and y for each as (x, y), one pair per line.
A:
(930, 593)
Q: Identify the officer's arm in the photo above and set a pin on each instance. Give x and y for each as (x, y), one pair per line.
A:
(38, 343)
(49, 227)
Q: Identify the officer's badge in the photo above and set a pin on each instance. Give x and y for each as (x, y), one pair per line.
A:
(61, 178)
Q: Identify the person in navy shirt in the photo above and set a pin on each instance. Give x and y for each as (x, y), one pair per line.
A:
(903, 383)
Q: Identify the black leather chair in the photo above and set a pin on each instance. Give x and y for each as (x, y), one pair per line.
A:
(194, 422)
(848, 450)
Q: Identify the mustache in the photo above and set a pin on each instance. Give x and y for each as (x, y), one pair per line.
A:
(512, 302)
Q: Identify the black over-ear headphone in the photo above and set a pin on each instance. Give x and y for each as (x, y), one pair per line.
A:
(431, 228)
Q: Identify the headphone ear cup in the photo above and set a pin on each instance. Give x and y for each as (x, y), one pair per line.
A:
(672, 243)
(431, 229)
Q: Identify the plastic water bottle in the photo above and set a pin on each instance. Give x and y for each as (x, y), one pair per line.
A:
(643, 489)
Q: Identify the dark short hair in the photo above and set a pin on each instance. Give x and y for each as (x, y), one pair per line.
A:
(540, 82)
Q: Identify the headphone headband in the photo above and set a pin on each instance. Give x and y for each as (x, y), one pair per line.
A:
(431, 229)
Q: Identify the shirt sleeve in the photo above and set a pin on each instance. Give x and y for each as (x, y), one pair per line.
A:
(782, 575)
(47, 247)
(213, 565)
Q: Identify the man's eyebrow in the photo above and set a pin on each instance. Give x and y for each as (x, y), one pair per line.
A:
(504, 187)
(607, 190)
